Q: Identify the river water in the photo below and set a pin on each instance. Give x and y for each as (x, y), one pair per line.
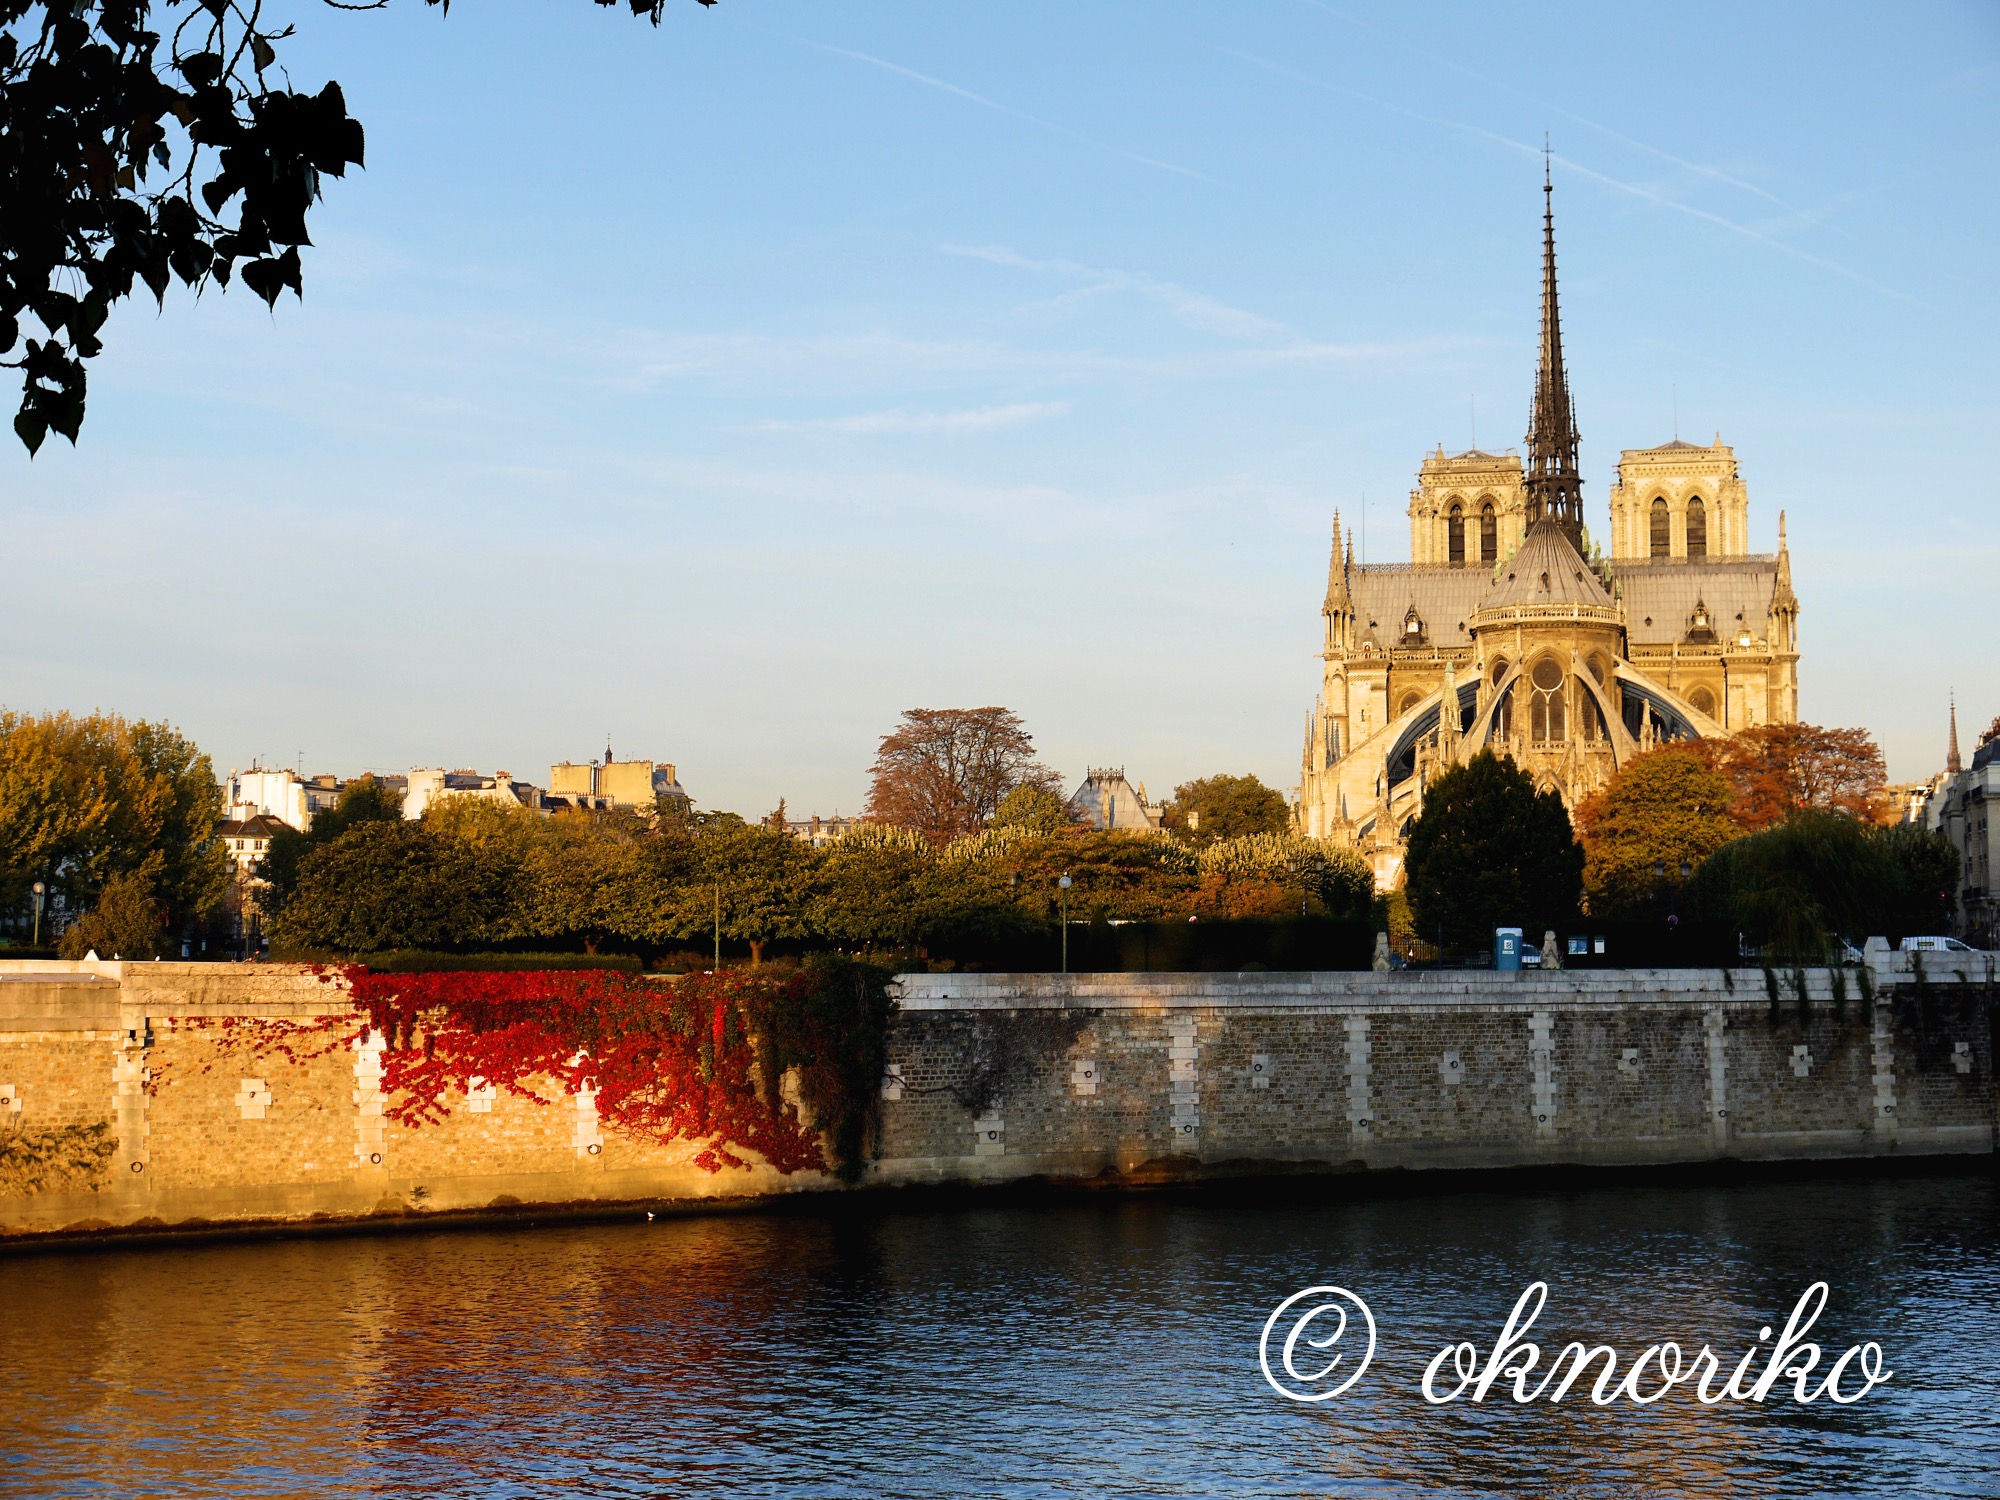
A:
(1070, 1347)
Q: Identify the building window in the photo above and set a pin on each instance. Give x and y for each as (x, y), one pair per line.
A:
(1662, 531)
(1455, 537)
(1499, 670)
(1548, 721)
(1489, 534)
(1410, 701)
(1697, 528)
(1702, 701)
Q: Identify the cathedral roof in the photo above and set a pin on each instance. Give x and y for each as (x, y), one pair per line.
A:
(1660, 595)
(1546, 570)
(1443, 598)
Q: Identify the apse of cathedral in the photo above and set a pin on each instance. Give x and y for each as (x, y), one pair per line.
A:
(1511, 629)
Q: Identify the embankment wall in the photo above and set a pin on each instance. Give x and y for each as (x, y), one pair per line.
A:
(150, 1096)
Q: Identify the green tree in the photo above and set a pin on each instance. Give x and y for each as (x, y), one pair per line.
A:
(126, 922)
(363, 800)
(753, 880)
(1928, 866)
(1034, 808)
(1662, 810)
(1487, 851)
(84, 798)
(1225, 807)
(1798, 888)
(381, 886)
(576, 873)
(870, 888)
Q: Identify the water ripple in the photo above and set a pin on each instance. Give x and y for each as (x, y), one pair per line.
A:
(1079, 1348)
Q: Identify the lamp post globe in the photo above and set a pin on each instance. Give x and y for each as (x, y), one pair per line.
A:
(39, 890)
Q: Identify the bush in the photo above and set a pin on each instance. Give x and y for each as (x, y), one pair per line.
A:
(126, 922)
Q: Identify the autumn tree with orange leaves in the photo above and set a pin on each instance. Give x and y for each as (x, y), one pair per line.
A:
(943, 771)
(1663, 810)
(1781, 769)
(1679, 804)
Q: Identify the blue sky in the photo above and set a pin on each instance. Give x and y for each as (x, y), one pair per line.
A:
(730, 387)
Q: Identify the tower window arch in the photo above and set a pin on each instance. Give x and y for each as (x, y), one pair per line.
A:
(1489, 534)
(1455, 536)
(1547, 718)
(1697, 528)
(1662, 529)
(1702, 701)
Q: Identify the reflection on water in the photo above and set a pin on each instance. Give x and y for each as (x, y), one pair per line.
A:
(1078, 1348)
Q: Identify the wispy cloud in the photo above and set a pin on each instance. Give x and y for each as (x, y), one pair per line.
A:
(1194, 309)
(1701, 169)
(827, 361)
(902, 420)
(1006, 109)
(1632, 189)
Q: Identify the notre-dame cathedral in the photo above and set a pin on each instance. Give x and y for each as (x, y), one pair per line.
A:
(1509, 629)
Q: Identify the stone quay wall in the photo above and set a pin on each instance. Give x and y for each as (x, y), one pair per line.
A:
(145, 1096)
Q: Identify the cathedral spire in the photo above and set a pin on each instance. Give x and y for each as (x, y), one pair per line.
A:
(1555, 490)
(1337, 597)
(1952, 764)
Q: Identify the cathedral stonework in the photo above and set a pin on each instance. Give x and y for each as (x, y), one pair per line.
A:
(1509, 630)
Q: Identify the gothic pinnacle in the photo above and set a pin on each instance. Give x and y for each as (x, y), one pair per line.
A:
(1337, 597)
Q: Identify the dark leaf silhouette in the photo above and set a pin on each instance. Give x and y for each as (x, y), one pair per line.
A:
(118, 117)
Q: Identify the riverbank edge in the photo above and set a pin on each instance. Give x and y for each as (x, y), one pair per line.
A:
(1266, 1183)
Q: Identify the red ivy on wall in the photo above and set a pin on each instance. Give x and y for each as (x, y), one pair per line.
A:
(686, 1060)
(697, 1058)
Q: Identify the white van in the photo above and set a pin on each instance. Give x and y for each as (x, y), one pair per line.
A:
(1937, 945)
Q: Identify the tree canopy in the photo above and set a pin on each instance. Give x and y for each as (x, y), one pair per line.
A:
(945, 771)
(1797, 887)
(476, 876)
(1781, 769)
(1662, 810)
(126, 922)
(144, 142)
(84, 799)
(1032, 807)
(1488, 850)
(363, 800)
(1225, 807)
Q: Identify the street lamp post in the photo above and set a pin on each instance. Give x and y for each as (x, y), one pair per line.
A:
(1063, 886)
(37, 890)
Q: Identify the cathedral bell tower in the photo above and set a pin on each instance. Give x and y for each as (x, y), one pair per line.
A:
(1554, 488)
